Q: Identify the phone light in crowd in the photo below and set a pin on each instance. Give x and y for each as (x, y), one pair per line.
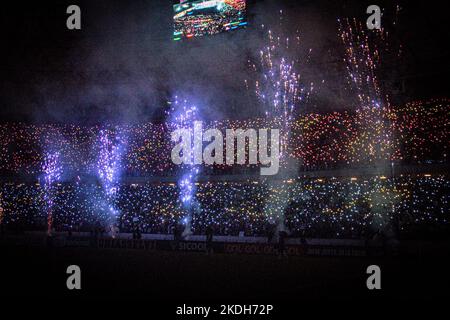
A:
(353, 179)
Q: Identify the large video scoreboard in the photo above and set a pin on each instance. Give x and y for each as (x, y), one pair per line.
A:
(206, 17)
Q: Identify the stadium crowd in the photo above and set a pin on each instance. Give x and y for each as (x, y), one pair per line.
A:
(78, 199)
(333, 208)
(415, 133)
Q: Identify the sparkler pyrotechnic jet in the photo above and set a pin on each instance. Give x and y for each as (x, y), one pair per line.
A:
(111, 148)
(52, 173)
(182, 116)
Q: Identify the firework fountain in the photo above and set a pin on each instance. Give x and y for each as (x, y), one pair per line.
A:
(278, 85)
(364, 53)
(280, 90)
(182, 114)
(111, 148)
(52, 173)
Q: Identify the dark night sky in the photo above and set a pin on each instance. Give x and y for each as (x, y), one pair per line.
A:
(123, 64)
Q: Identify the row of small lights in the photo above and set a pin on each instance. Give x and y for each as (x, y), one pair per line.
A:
(427, 175)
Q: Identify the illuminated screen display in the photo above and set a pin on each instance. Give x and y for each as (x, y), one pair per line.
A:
(199, 18)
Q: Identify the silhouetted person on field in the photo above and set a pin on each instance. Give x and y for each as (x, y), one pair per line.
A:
(269, 233)
(281, 243)
(209, 240)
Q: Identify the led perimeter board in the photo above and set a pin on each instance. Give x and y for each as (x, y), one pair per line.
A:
(205, 17)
